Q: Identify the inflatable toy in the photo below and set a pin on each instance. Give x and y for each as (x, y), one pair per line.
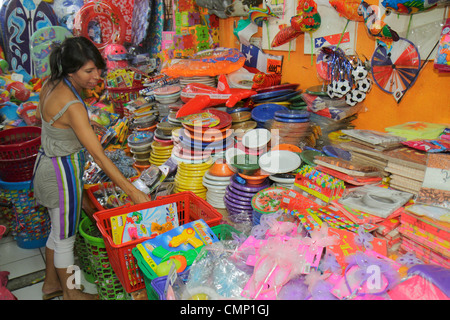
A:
(94, 10)
(212, 62)
(198, 96)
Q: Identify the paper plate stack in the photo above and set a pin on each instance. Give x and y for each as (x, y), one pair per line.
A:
(216, 180)
(238, 197)
(189, 176)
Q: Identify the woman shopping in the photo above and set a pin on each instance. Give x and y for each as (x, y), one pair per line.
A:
(76, 64)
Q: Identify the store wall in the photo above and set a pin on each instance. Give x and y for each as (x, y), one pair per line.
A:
(428, 99)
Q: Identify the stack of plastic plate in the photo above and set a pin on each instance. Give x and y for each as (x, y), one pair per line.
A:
(238, 198)
(140, 146)
(285, 180)
(255, 141)
(171, 117)
(167, 94)
(204, 134)
(207, 80)
(189, 176)
(161, 151)
(265, 112)
(292, 126)
(216, 180)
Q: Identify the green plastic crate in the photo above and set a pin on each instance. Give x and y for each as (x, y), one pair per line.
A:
(98, 265)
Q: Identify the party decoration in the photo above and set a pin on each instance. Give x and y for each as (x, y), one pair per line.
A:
(347, 76)
(349, 10)
(376, 27)
(411, 7)
(442, 61)
(395, 69)
(198, 96)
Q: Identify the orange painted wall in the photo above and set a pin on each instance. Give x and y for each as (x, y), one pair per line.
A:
(428, 99)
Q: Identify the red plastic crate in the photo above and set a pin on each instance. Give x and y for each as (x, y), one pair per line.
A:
(190, 207)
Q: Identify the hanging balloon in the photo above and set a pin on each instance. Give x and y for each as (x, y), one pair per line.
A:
(411, 7)
(375, 26)
(347, 9)
(284, 36)
(92, 11)
(308, 18)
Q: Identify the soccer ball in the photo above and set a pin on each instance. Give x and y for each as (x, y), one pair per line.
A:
(341, 88)
(359, 73)
(364, 85)
(349, 100)
(330, 91)
(358, 96)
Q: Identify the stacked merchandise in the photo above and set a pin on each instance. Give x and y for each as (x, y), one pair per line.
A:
(425, 230)
(367, 147)
(425, 226)
(388, 230)
(407, 167)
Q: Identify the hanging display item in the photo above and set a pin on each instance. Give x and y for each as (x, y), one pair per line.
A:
(206, 63)
(21, 20)
(411, 7)
(307, 20)
(347, 76)
(375, 26)
(41, 43)
(396, 70)
(396, 61)
(92, 11)
(347, 9)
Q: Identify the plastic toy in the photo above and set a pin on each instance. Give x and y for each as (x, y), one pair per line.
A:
(18, 90)
(198, 96)
(116, 56)
(187, 236)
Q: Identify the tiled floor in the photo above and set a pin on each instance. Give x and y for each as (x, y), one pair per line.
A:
(25, 262)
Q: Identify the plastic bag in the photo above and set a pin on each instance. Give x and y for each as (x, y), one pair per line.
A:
(219, 272)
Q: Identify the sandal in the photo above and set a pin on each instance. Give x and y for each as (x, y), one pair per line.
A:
(55, 294)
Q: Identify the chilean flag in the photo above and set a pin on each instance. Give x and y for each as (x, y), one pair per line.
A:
(331, 40)
(259, 61)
